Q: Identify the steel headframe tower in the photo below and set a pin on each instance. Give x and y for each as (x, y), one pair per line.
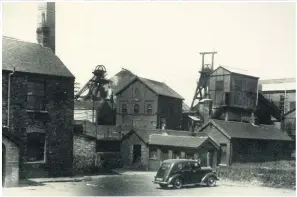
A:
(203, 82)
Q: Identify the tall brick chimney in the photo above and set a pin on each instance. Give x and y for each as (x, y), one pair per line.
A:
(46, 25)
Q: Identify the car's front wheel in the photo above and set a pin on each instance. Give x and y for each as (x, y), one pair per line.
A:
(163, 186)
(211, 181)
(177, 183)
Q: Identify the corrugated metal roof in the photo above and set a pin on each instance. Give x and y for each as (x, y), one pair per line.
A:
(31, 58)
(248, 131)
(177, 141)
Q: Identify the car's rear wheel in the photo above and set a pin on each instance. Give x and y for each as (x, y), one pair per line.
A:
(177, 183)
(211, 181)
(163, 186)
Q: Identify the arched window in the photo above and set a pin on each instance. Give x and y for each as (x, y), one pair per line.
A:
(136, 108)
(136, 93)
(149, 109)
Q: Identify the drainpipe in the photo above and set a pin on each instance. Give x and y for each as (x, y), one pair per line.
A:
(8, 101)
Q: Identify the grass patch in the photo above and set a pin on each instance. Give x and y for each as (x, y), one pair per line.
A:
(272, 174)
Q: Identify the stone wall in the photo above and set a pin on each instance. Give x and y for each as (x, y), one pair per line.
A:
(84, 149)
(127, 152)
(11, 163)
(56, 120)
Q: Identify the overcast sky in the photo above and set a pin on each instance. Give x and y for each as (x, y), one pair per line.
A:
(162, 40)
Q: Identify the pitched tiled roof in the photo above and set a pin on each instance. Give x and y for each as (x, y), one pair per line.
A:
(243, 130)
(119, 80)
(31, 58)
(145, 133)
(158, 87)
(177, 141)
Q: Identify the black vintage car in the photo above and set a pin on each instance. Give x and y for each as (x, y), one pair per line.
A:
(184, 172)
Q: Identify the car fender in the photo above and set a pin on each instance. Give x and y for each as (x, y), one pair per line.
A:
(210, 174)
(173, 177)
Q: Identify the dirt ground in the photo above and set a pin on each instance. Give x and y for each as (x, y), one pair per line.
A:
(140, 184)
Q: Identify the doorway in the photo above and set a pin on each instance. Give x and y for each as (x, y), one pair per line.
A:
(136, 153)
(3, 163)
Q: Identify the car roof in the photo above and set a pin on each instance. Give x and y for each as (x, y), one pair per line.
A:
(178, 160)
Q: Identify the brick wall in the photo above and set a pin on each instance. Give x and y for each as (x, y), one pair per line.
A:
(11, 163)
(171, 110)
(142, 119)
(127, 152)
(84, 149)
(57, 121)
(219, 138)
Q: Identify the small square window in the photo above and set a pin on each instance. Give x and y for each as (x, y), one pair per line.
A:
(220, 85)
(153, 153)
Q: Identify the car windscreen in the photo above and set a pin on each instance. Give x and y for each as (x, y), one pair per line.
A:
(163, 170)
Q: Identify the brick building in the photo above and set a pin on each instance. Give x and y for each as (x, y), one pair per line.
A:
(147, 148)
(39, 109)
(144, 103)
(244, 142)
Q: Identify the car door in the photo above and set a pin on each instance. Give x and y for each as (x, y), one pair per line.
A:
(196, 174)
(187, 171)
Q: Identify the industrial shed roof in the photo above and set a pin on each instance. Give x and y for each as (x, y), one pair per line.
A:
(179, 141)
(31, 58)
(233, 129)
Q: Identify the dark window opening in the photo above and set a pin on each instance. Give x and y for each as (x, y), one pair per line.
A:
(227, 99)
(136, 108)
(292, 105)
(149, 109)
(124, 108)
(137, 93)
(220, 85)
(153, 153)
(223, 154)
(35, 147)
(176, 155)
(187, 166)
(78, 128)
(189, 155)
(36, 96)
(136, 153)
